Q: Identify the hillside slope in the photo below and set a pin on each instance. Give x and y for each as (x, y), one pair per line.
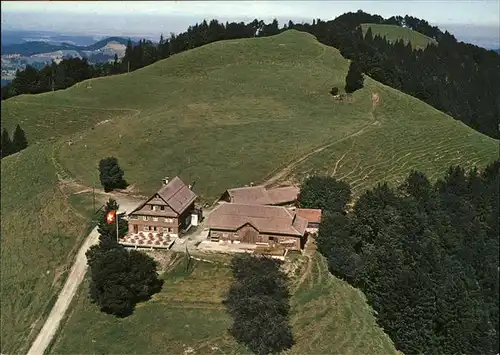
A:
(42, 225)
(394, 33)
(223, 115)
(188, 314)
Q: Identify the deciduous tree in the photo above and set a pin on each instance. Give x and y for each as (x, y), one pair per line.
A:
(258, 302)
(119, 279)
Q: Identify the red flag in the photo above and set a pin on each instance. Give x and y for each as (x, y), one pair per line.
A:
(110, 217)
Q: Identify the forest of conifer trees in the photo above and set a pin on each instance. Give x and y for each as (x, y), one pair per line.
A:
(425, 255)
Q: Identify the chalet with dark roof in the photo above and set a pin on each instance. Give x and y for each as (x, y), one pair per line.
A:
(168, 211)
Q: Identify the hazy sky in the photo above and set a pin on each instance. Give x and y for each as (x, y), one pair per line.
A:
(154, 17)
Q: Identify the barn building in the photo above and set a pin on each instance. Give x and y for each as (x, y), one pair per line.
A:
(259, 195)
(312, 215)
(257, 224)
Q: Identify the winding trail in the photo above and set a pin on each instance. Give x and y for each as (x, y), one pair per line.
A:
(288, 168)
(73, 281)
(276, 177)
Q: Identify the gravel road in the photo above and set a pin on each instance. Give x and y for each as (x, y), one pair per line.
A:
(73, 281)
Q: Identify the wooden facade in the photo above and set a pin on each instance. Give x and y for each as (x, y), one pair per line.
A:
(168, 211)
(254, 224)
(250, 235)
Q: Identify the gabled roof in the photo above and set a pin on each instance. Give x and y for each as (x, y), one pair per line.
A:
(281, 195)
(311, 214)
(266, 219)
(255, 195)
(176, 195)
(259, 195)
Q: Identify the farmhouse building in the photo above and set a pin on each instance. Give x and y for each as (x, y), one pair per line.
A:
(168, 211)
(259, 195)
(313, 216)
(257, 224)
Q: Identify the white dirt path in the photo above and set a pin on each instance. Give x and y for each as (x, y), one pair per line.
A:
(69, 289)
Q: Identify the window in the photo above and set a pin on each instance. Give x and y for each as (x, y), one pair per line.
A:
(271, 239)
(169, 230)
(154, 228)
(162, 208)
(144, 218)
(145, 228)
(152, 207)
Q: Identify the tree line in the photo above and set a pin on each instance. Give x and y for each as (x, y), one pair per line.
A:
(457, 78)
(14, 145)
(425, 254)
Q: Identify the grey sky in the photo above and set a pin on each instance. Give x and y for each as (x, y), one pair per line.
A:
(153, 17)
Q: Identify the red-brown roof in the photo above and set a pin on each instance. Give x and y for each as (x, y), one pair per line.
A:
(282, 195)
(255, 195)
(176, 195)
(266, 219)
(311, 214)
(259, 195)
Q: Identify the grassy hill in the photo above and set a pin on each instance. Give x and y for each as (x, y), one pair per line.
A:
(188, 313)
(224, 115)
(394, 33)
(42, 226)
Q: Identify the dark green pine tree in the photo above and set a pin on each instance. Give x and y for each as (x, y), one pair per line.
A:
(110, 174)
(19, 141)
(6, 143)
(107, 231)
(354, 79)
(369, 35)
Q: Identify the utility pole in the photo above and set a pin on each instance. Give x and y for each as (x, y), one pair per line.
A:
(128, 67)
(93, 197)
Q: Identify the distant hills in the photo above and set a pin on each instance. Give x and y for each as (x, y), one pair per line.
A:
(42, 52)
(36, 47)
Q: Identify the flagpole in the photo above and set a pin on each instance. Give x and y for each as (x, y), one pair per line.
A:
(117, 240)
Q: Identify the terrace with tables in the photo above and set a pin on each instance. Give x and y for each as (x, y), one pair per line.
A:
(148, 240)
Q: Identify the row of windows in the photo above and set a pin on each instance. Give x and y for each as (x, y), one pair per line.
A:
(236, 236)
(155, 219)
(157, 208)
(157, 229)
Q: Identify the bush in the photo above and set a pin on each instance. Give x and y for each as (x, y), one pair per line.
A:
(334, 91)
